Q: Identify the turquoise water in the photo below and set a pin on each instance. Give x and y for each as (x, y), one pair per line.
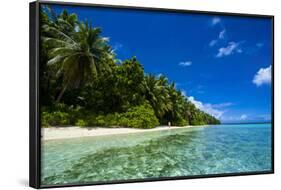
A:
(177, 152)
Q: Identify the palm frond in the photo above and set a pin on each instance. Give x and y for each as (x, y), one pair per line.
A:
(55, 60)
(59, 34)
(62, 51)
(54, 42)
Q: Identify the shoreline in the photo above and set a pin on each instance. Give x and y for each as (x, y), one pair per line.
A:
(56, 133)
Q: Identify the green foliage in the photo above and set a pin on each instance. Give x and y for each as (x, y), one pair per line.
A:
(180, 122)
(82, 84)
(156, 92)
(56, 118)
(65, 36)
(139, 117)
(109, 120)
(81, 123)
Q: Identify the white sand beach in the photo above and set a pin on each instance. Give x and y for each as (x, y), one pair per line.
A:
(76, 132)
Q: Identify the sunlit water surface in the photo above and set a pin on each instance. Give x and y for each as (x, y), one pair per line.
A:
(177, 152)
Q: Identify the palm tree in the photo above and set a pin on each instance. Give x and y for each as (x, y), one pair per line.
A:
(77, 49)
(155, 89)
(177, 102)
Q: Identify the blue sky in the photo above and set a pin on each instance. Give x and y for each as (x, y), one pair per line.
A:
(221, 63)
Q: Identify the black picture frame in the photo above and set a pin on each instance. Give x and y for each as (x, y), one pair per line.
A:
(34, 106)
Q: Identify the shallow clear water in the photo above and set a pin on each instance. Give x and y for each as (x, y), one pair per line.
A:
(177, 152)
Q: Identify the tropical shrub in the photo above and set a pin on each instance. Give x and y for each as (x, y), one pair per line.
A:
(180, 122)
(56, 118)
(81, 123)
(139, 117)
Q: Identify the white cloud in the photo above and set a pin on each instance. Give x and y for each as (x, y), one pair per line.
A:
(223, 105)
(213, 42)
(263, 76)
(221, 37)
(216, 20)
(208, 108)
(229, 49)
(246, 117)
(185, 63)
(243, 117)
(237, 118)
(222, 34)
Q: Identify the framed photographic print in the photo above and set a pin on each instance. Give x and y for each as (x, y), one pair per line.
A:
(129, 94)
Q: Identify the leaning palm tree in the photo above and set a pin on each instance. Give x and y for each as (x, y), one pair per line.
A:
(79, 53)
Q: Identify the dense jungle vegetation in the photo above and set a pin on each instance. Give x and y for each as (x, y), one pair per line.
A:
(82, 83)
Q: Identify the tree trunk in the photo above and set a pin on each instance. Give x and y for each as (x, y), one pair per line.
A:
(61, 93)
